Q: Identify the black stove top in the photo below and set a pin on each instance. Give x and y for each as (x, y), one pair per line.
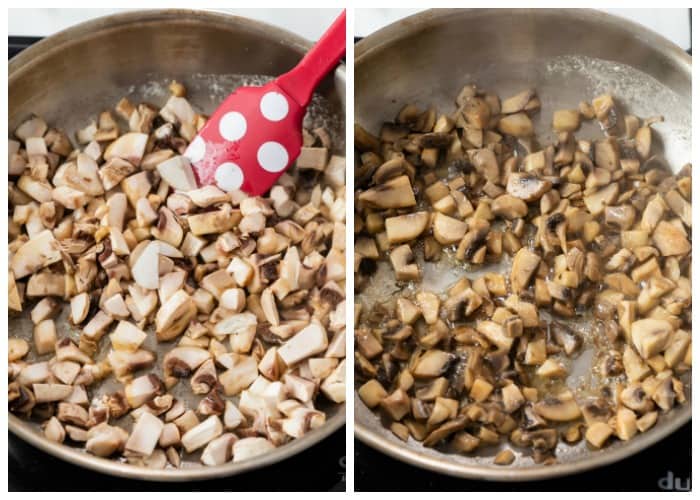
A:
(30, 469)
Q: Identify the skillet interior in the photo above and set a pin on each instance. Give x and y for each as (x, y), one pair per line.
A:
(567, 55)
(70, 77)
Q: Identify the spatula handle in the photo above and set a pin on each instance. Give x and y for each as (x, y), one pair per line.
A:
(300, 82)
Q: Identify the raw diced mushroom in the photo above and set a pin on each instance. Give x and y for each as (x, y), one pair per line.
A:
(118, 228)
(202, 434)
(144, 436)
(247, 448)
(178, 173)
(308, 342)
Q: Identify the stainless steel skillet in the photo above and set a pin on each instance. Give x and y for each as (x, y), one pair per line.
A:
(567, 55)
(70, 77)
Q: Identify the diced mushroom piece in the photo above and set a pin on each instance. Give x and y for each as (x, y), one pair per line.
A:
(183, 361)
(664, 394)
(169, 436)
(143, 389)
(650, 336)
(145, 268)
(247, 448)
(232, 416)
(40, 251)
(54, 431)
(566, 120)
(219, 450)
(144, 436)
(597, 201)
(217, 221)
(403, 228)
(47, 393)
(561, 408)
(178, 173)
(372, 393)
(448, 230)
(202, 433)
(105, 440)
(333, 387)
(598, 433)
(647, 421)
(14, 301)
(527, 187)
(65, 371)
(517, 125)
(17, 348)
(79, 307)
(512, 398)
(129, 147)
(402, 260)
(174, 316)
(395, 193)
(45, 336)
(396, 405)
(680, 206)
(116, 307)
(308, 342)
(485, 162)
(518, 102)
(205, 378)
(504, 457)
(551, 369)
(525, 263)
(508, 207)
(625, 424)
(239, 376)
(236, 324)
(670, 239)
(433, 363)
(269, 307)
(642, 142)
(97, 326)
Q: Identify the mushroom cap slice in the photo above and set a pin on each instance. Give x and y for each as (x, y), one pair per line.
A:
(448, 230)
(395, 193)
(407, 227)
(561, 408)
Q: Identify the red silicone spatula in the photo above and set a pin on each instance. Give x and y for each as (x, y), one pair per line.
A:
(256, 133)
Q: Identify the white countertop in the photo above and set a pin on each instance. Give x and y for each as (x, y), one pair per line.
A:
(673, 24)
(308, 23)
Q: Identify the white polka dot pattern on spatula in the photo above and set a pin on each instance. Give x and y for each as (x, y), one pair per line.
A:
(233, 126)
(272, 156)
(256, 132)
(229, 176)
(274, 106)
